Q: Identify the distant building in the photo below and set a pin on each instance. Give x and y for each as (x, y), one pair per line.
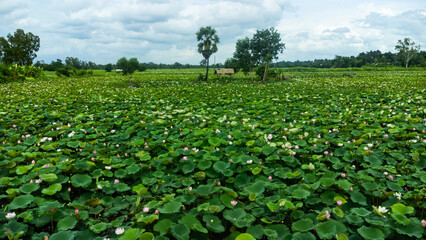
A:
(118, 70)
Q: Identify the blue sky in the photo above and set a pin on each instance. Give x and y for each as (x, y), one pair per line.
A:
(163, 31)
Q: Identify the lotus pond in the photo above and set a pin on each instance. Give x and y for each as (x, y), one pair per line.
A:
(320, 156)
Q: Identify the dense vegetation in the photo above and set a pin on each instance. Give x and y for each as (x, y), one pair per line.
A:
(326, 154)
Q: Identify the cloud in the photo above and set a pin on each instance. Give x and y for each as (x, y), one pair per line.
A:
(164, 30)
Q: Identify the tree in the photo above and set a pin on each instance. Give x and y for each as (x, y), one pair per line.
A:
(19, 48)
(108, 67)
(406, 50)
(128, 66)
(207, 45)
(266, 45)
(232, 63)
(133, 65)
(73, 62)
(244, 56)
(142, 67)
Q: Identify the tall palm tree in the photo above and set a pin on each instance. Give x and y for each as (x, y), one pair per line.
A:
(207, 45)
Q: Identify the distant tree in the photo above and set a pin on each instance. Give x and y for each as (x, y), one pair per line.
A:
(207, 45)
(177, 65)
(19, 48)
(133, 65)
(142, 67)
(108, 67)
(244, 55)
(266, 45)
(232, 63)
(73, 62)
(406, 50)
(128, 66)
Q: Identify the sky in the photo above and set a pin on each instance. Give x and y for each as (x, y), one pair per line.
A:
(163, 31)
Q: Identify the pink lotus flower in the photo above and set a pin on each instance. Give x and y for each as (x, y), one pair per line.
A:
(339, 202)
(352, 189)
(390, 177)
(76, 211)
(184, 158)
(231, 161)
(156, 211)
(270, 177)
(328, 214)
(185, 149)
(325, 152)
(47, 165)
(233, 202)
(424, 223)
(31, 181)
(343, 175)
(116, 181)
(218, 183)
(145, 209)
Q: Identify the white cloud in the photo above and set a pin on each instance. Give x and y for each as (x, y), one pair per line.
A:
(164, 30)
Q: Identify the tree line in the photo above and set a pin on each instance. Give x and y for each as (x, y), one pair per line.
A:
(368, 59)
(257, 52)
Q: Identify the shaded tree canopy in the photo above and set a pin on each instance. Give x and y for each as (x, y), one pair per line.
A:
(19, 48)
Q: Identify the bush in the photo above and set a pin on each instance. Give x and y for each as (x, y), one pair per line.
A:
(10, 73)
(63, 72)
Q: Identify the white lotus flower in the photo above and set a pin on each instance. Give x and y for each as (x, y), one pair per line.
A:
(382, 209)
(10, 215)
(398, 195)
(119, 231)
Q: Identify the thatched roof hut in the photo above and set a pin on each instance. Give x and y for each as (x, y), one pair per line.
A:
(224, 71)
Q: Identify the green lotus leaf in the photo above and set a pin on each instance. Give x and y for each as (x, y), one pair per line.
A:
(52, 189)
(214, 141)
(146, 236)
(99, 227)
(193, 223)
(300, 193)
(73, 144)
(29, 187)
(21, 202)
(163, 226)
(303, 236)
(131, 234)
(63, 235)
(180, 231)
(121, 187)
(66, 223)
(23, 169)
(81, 180)
(245, 236)
(371, 233)
(213, 223)
(362, 212)
(220, 166)
(171, 207)
(402, 209)
(143, 156)
(48, 177)
(303, 225)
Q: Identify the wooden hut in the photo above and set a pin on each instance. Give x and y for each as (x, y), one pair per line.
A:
(224, 71)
